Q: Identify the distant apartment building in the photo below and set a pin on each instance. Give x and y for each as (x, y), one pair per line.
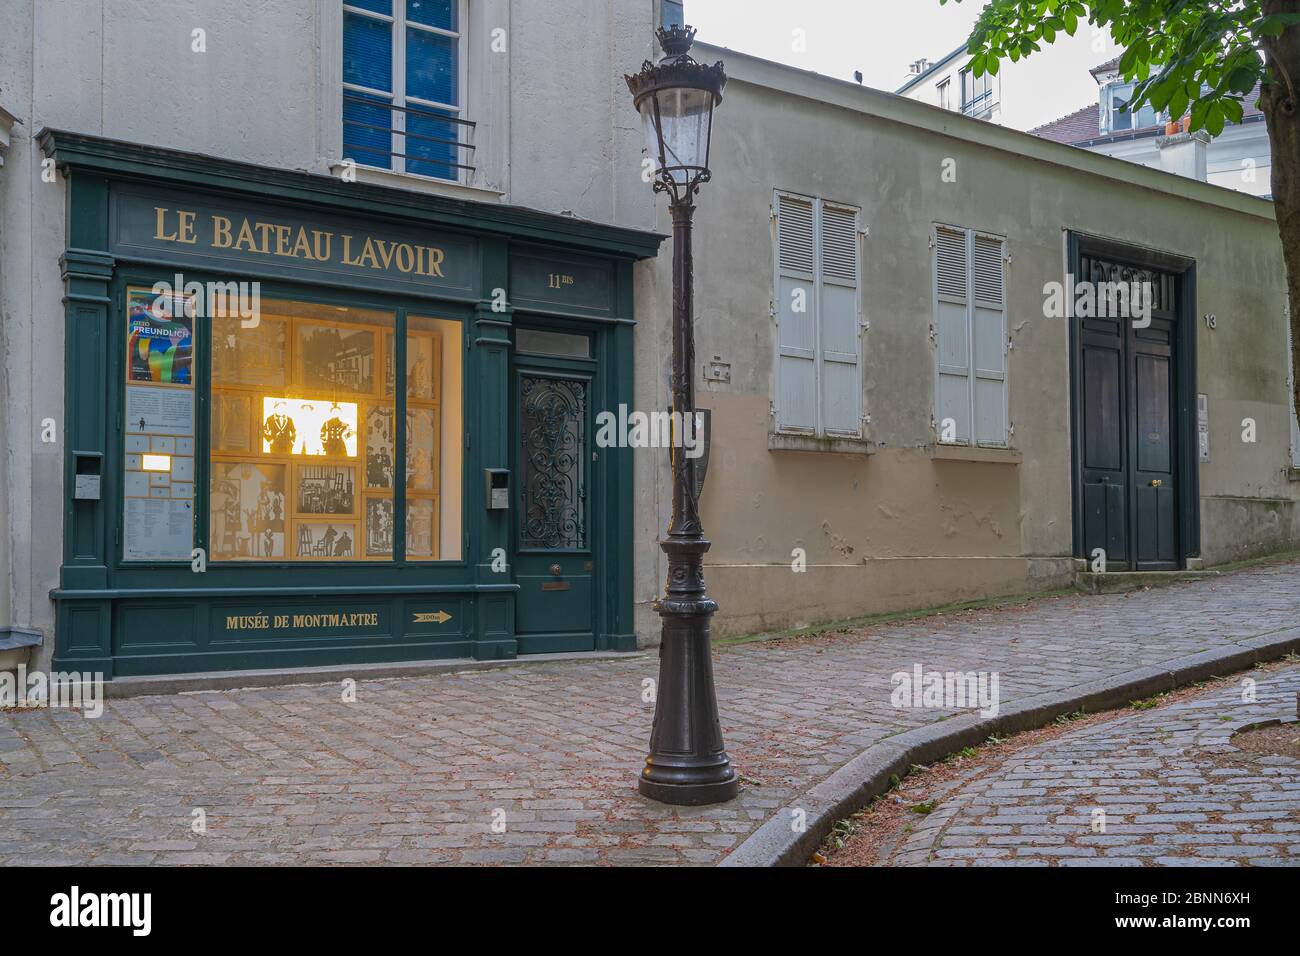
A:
(1028, 95)
(1024, 94)
(1239, 158)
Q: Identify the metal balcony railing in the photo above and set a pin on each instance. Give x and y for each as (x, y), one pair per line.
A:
(424, 140)
(978, 104)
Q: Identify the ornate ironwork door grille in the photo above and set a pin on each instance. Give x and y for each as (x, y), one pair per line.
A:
(552, 486)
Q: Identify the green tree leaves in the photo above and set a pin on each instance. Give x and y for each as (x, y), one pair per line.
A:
(1197, 55)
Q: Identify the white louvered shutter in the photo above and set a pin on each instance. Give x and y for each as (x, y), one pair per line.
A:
(952, 332)
(841, 383)
(796, 310)
(989, 339)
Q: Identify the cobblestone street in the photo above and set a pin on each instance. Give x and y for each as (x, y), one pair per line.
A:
(414, 770)
(1164, 787)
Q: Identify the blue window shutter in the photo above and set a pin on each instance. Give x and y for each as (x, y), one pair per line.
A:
(367, 52)
(361, 142)
(436, 156)
(434, 13)
(432, 66)
(374, 6)
(671, 13)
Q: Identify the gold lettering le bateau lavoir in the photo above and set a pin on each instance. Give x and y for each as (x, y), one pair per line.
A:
(299, 242)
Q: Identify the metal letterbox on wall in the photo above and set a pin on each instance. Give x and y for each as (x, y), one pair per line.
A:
(496, 489)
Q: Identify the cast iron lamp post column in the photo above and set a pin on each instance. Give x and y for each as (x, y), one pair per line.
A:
(687, 764)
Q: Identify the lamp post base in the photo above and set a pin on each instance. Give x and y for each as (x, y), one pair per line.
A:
(688, 764)
(690, 794)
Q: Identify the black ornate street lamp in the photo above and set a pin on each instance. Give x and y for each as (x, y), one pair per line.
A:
(688, 764)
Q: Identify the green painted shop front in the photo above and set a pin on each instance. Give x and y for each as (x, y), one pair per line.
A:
(389, 458)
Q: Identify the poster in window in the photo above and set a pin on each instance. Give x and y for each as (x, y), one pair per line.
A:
(336, 358)
(421, 528)
(160, 338)
(379, 527)
(325, 540)
(421, 449)
(158, 410)
(158, 528)
(248, 356)
(381, 444)
(248, 506)
(326, 490)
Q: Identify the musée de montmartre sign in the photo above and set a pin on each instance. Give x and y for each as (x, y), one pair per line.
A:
(215, 234)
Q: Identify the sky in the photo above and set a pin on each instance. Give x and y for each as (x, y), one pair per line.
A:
(878, 37)
(882, 37)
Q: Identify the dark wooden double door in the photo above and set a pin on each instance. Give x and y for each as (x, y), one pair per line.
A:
(1127, 421)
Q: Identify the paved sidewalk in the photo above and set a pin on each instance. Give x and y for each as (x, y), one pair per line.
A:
(416, 769)
(1164, 787)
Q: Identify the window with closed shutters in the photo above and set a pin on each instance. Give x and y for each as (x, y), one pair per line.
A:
(818, 362)
(970, 322)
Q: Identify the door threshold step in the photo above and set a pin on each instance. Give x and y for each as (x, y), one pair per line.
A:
(1115, 582)
(167, 684)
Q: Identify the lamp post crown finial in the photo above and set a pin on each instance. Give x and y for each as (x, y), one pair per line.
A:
(676, 40)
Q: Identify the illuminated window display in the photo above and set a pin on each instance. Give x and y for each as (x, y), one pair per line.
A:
(303, 444)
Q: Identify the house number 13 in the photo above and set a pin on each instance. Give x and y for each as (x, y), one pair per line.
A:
(1211, 320)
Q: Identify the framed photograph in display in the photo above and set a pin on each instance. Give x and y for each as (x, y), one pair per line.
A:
(379, 527)
(333, 358)
(423, 378)
(390, 364)
(253, 356)
(422, 449)
(421, 528)
(232, 417)
(279, 429)
(313, 428)
(325, 490)
(381, 448)
(324, 540)
(248, 507)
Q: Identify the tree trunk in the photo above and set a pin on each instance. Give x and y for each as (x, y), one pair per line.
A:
(1279, 103)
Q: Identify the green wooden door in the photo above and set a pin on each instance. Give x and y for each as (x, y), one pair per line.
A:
(551, 513)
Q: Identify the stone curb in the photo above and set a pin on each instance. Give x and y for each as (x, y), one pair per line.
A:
(867, 775)
(164, 684)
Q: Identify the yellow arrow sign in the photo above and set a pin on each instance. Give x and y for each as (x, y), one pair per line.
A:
(432, 617)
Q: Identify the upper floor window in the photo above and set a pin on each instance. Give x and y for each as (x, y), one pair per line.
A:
(671, 13)
(945, 94)
(403, 86)
(1115, 113)
(976, 93)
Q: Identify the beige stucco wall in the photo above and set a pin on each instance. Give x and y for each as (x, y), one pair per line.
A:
(898, 528)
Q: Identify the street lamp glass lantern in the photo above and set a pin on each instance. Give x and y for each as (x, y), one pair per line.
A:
(676, 98)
